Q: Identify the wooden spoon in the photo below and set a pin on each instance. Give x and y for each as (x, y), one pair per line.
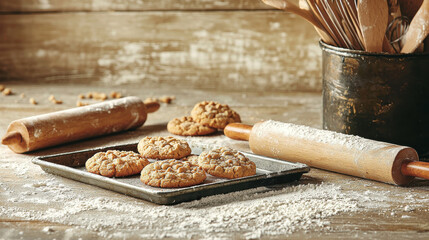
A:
(418, 30)
(288, 6)
(373, 17)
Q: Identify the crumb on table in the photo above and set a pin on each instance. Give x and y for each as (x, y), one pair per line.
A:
(80, 104)
(99, 96)
(54, 100)
(32, 101)
(167, 99)
(150, 99)
(7, 91)
(115, 94)
(96, 95)
(163, 99)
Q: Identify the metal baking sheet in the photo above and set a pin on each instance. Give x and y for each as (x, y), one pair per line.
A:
(72, 165)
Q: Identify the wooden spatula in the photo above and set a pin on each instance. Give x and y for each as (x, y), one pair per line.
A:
(418, 30)
(373, 18)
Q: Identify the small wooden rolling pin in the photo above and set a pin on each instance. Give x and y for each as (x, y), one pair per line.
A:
(351, 155)
(74, 124)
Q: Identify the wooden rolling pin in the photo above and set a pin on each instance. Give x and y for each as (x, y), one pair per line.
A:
(337, 152)
(74, 124)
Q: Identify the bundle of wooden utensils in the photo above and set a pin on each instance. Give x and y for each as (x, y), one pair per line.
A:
(392, 26)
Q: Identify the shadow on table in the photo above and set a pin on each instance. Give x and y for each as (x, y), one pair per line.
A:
(419, 183)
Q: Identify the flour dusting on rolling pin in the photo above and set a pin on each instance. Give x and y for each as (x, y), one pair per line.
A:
(351, 155)
(74, 124)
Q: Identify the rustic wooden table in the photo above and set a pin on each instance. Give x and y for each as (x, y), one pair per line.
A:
(37, 205)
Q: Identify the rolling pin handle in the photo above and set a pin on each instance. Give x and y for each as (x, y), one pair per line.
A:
(416, 169)
(238, 131)
(152, 107)
(11, 138)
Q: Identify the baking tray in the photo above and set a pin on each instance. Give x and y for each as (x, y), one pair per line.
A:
(269, 171)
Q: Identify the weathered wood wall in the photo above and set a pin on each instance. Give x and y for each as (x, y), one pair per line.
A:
(196, 43)
(127, 5)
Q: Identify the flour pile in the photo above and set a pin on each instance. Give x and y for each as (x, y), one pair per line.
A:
(254, 213)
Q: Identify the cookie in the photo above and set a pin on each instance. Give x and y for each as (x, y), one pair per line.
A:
(115, 163)
(192, 159)
(172, 173)
(214, 114)
(226, 163)
(186, 126)
(163, 148)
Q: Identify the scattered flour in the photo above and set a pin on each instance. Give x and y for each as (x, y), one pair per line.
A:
(255, 213)
(205, 143)
(44, 4)
(48, 229)
(321, 136)
(18, 169)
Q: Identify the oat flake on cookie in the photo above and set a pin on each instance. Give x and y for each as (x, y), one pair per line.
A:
(214, 114)
(163, 148)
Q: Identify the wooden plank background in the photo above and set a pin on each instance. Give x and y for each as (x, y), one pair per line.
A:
(127, 5)
(201, 44)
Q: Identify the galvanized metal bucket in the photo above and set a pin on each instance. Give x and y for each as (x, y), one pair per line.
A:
(378, 96)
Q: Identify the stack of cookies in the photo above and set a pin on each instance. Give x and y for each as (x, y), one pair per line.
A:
(173, 166)
(168, 170)
(206, 118)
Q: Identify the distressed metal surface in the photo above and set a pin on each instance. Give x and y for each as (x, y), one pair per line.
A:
(377, 96)
(269, 171)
